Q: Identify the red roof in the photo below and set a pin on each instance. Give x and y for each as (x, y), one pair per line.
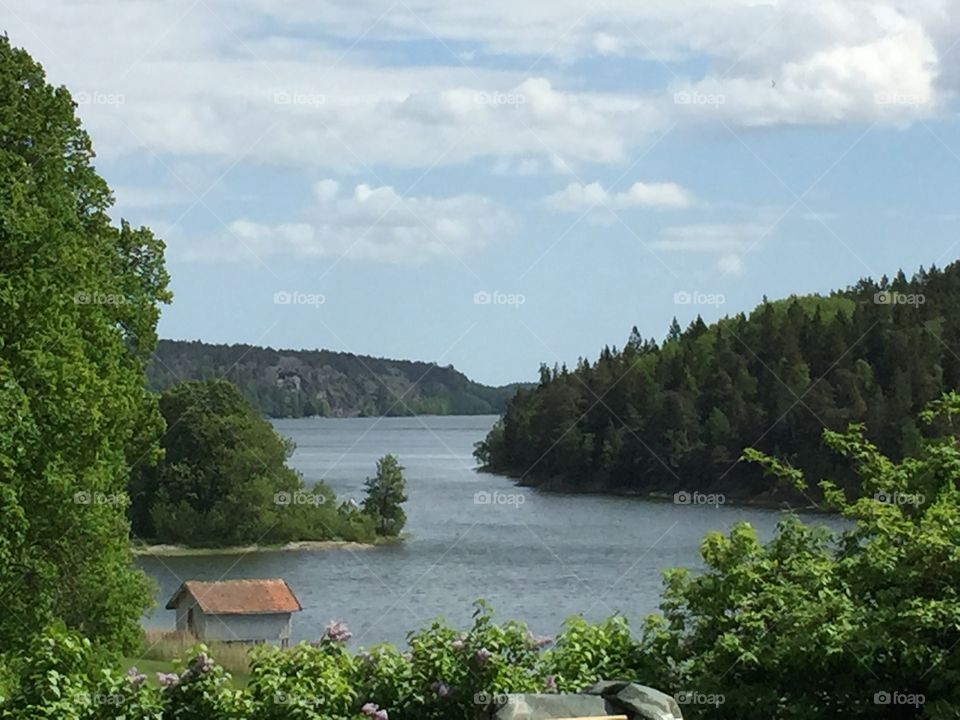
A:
(239, 597)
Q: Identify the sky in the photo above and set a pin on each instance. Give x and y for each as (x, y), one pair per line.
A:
(496, 185)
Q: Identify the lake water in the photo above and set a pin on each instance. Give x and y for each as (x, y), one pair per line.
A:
(534, 556)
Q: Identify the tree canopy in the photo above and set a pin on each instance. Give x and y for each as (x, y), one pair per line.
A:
(657, 417)
(223, 478)
(79, 303)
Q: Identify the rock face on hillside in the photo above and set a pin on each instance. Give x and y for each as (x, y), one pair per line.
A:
(637, 702)
(298, 383)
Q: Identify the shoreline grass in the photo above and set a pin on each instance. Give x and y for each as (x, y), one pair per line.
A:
(172, 550)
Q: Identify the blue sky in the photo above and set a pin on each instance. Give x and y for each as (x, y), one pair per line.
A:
(496, 185)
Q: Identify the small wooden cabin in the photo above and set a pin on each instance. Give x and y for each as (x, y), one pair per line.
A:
(248, 611)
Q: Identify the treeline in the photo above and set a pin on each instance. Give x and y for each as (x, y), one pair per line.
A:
(303, 383)
(677, 416)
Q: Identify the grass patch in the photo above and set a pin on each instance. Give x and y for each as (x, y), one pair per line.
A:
(161, 650)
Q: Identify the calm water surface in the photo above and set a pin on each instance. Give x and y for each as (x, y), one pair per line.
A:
(540, 558)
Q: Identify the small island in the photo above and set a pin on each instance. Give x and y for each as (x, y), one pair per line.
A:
(221, 483)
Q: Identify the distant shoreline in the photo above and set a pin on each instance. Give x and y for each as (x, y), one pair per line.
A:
(560, 487)
(170, 550)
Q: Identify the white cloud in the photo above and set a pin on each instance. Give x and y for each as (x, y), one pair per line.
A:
(577, 197)
(250, 83)
(661, 194)
(148, 196)
(711, 238)
(201, 80)
(731, 265)
(728, 243)
(890, 77)
(369, 223)
(606, 44)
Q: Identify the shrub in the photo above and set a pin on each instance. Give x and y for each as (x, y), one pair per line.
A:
(201, 691)
(863, 623)
(306, 682)
(586, 653)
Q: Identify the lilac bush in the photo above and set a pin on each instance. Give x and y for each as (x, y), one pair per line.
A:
(444, 675)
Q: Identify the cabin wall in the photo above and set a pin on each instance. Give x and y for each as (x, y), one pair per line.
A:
(186, 603)
(274, 627)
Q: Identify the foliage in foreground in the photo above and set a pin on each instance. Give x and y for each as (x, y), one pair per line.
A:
(445, 675)
(863, 623)
(79, 303)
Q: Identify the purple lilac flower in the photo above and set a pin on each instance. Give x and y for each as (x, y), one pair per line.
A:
(459, 644)
(441, 689)
(550, 684)
(374, 712)
(482, 656)
(135, 676)
(168, 679)
(202, 663)
(337, 631)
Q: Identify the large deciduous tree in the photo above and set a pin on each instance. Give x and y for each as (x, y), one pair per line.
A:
(223, 479)
(79, 303)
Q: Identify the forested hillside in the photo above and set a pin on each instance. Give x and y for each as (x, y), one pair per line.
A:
(298, 383)
(676, 416)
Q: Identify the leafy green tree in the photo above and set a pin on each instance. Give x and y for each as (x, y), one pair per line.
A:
(861, 623)
(385, 495)
(223, 479)
(79, 303)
